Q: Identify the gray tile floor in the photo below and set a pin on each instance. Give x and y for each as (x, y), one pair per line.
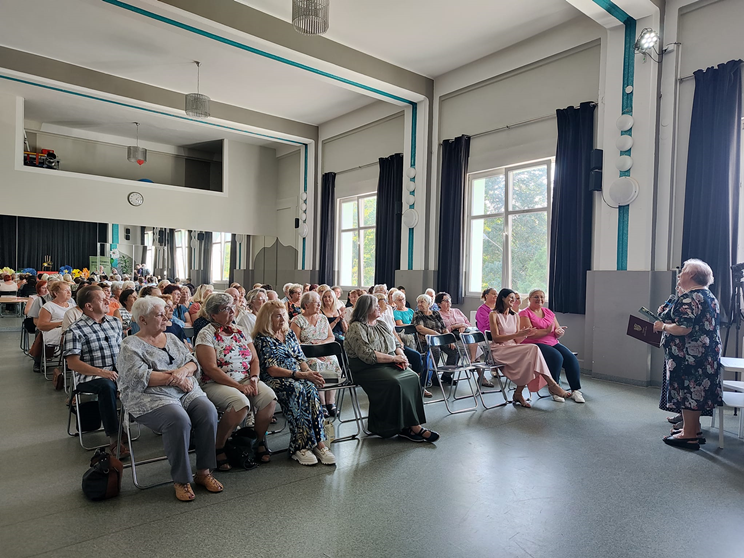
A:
(559, 480)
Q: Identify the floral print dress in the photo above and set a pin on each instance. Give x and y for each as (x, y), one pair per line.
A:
(309, 333)
(692, 362)
(298, 398)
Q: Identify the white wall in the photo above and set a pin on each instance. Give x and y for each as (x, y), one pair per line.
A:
(288, 198)
(247, 206)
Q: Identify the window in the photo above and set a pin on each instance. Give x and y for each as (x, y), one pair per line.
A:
(355, 255)
(220, 256)
(509, 224)
(181, 253)
(150, 256)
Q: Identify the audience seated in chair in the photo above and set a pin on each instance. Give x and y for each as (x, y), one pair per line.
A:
(91, 348)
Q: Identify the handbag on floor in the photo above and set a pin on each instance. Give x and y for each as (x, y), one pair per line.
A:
(239, 452)
(58, 379)
(103, 479)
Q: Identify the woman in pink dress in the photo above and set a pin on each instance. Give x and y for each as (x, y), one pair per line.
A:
(482, 315)
(523, 364)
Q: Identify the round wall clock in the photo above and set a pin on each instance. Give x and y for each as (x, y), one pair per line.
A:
(135, 198)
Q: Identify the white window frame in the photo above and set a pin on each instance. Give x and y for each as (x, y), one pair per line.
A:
(182, 247)
(224, 239)
(506, 214)
(359, 198)
(150, 256)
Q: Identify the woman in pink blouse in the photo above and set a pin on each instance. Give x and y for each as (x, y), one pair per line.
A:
(456, 323)
(523, 363)
(546, 333)
(489, 303)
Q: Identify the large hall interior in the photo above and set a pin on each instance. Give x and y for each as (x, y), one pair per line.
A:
(582, 149)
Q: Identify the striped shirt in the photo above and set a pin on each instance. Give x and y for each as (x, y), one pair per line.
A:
(97, 344)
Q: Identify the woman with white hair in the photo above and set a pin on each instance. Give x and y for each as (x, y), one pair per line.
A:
(691, 339)
(313, 328)
(157, 387)
(431, 294)
(429, 322)
(229, 377)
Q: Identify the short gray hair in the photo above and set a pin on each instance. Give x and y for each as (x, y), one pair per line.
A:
(252, 294)
(307, 297)
(397, 295)
(362, 308)
(701, 273)
(381, 288)
(425, 297)
(145, 306)
(214, 302)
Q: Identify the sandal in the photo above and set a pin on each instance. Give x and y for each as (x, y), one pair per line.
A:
(208, 482)
(273, 420)
(184, 492)
(684, 443)
(675, 419)
(261, 454)
(521, 402)
(223, 465)
(332, 411)
(700, 438)
(560, 392)
(427, 393)
(486, 383)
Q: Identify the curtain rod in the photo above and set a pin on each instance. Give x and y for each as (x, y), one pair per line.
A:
(356, 168)
(516, 125)
(686, 78)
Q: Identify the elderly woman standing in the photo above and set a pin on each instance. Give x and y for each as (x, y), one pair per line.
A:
(313, 328)
(157, 386)
(229, 377)
(546, 335)
(692, 352)
(482, 321)
(523, 364)
(284, 368)
(380, 366)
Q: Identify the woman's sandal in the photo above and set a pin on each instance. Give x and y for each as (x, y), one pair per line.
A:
(208, 482)
(701, 440)
(266, 452)
(675, 419)
(560, 392)
(521, 401)
(684, 443)
(223, 465)
(184, 492)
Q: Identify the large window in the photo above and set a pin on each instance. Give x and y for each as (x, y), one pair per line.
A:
(150, 257)
(508, 218)
(182, 253)
(220, 256)
(356, 240)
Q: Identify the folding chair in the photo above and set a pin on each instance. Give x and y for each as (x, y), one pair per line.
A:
(56, 357)
(76, 409)
(479, 340)
(456, 370)
(25, 346)
(125, 429)
(345, 383)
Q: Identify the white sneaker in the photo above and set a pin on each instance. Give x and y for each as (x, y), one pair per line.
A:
(324, 455)
(304, 457)
(557, 398)
(577, 396)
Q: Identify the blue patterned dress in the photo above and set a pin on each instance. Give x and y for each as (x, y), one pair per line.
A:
(692, 362)
(298, 398)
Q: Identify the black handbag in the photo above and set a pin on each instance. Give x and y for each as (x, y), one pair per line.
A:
(103, 479)
(239, 452)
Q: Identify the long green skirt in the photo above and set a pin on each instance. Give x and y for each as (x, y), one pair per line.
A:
(394, 396)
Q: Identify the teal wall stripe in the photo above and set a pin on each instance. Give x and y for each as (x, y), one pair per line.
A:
(623, 213)
(281, 59)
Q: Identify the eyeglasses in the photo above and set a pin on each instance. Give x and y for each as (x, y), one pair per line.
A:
(227, 309)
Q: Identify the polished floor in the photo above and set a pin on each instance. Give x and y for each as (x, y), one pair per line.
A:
(560, 480)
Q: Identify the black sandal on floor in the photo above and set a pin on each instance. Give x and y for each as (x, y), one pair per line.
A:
(261, 454)
(684, 443)
(331, 408)
(701, 440)
(223, 465)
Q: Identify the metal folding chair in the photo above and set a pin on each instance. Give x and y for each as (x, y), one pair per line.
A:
(56, 357)
(345, 383)
(477, 339)
(125, 428)
(76, 410)
(458, 371)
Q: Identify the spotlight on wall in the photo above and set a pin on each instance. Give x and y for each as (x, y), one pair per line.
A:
(647, 41)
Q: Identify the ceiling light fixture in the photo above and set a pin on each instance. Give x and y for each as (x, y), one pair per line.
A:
(135, 153)
(647, 40)
(197, 105)
(310, 17)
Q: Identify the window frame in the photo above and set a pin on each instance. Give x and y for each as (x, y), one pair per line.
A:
(224, 240)
(181, 253)
(507, 214)
(359, 198)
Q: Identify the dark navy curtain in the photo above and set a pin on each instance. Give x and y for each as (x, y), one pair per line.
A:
(8, 240)
(455, 155)
(571, 214)
(65, 242)
(233, 257)
(327, 228)
(713, 167)
(389, 210)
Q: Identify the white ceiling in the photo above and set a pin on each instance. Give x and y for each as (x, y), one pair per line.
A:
(53, 108)
(432, 37)
(96, 35)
